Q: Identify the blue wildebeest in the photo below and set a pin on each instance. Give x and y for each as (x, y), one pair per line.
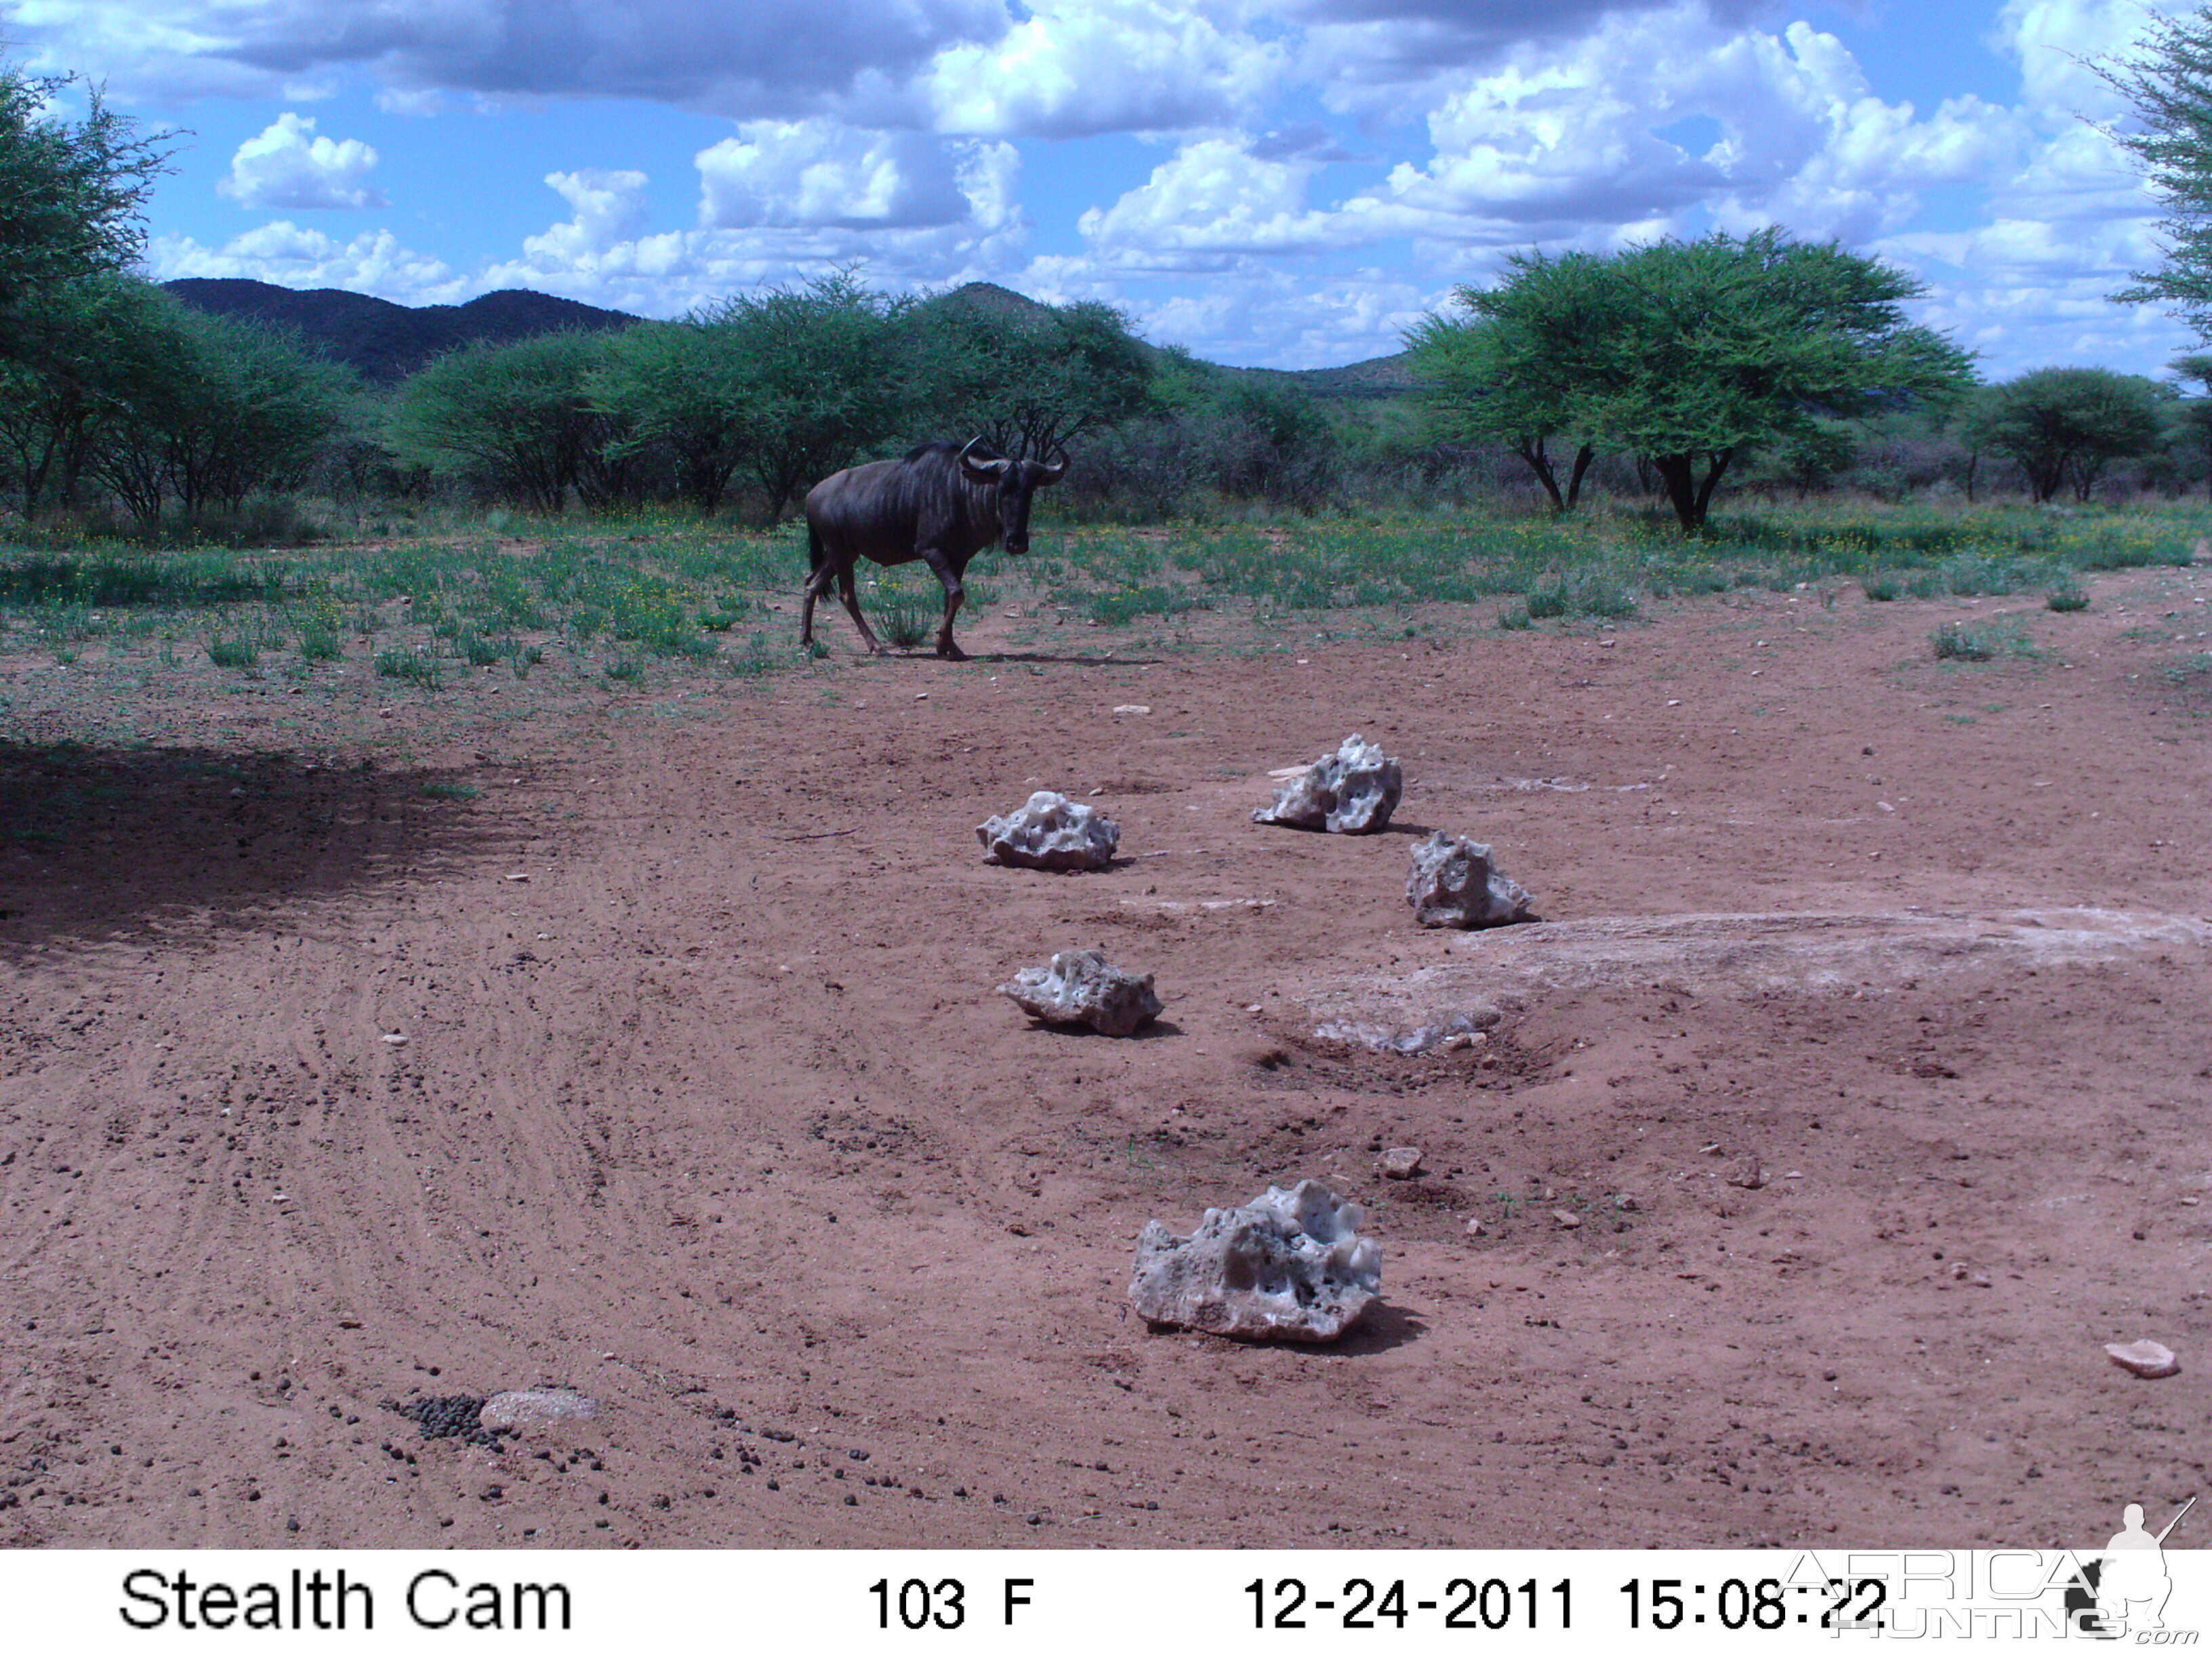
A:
(940, 505)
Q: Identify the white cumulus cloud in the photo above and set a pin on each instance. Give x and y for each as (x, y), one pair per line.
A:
(816, 172)
(374, 262)
(1093, 66)
(286, 166)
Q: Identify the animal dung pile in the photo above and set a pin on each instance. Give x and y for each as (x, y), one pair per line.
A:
(1453, 884)
(1289, 1267)
(1351, 792)
(1051, 832)
(453, 1416)
(1082, 988)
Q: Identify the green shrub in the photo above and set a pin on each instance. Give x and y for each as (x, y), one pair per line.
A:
(1515, 617)
(417, 667)
(2068, 596)
(903, 621)
(445, 791)
(319, 644)
(231, 653)
(1881, 589)
(627, 669)
(1959, 643)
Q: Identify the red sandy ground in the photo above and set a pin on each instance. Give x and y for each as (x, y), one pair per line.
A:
(715, 1115)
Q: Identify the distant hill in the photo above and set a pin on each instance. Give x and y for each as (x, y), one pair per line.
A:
(386, 341)
(1376, 379)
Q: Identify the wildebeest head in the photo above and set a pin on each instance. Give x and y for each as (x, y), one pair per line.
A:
(1015, 480)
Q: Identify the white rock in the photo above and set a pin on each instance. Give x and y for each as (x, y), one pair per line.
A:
(522, 1408)
(1398, 1163)
(1289, 1267)
(2144, 1358)
(1351, 792)
(1082, 988)
(1567, 1218)
(1452, 885)
(1474, 1227)
(1051, 832)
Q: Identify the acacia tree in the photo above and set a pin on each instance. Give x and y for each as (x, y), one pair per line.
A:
(1691, 354)
(824, 378)
(517, 418)
(689, 388)
(1027, 378)
(1508, 371)
(2170, 84)
(2193, 418)
(2065, 426)
(70, 194)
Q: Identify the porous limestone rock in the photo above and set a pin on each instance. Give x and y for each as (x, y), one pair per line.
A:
(1289, 1267)
(1351, 792)
(1082, 988)
(1051, 832)
(2144, 1358)
(519, 1408)
(1453, 884)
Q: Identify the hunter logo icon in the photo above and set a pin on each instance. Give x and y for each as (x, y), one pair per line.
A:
(2122, 1591)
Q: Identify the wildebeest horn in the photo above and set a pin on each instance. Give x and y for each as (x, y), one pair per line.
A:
(971, 463)
(1052, 470)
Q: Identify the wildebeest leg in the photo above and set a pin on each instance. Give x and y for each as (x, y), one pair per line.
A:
(852, 605)
(816, 586)
(949, 575)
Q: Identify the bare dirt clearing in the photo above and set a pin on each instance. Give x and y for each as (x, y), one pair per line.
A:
(666, 1068)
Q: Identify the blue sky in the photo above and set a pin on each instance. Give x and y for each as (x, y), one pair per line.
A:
(1287, 183)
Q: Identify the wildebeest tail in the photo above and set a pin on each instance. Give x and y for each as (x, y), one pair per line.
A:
(815, 554)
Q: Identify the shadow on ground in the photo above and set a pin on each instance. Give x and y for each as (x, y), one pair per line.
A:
(96, 841)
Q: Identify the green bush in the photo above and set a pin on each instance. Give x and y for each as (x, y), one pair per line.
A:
(2068, 596)
(1965, 642)
(231, 653)
(416, 667)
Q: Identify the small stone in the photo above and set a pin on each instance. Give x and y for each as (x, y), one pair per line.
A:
(1132, 708)
(1050, 832)
(1081, 988)
(1627, 1201)
(1474, 1227)
(1750, 1175)
(518, 875)
(2144, 1358)
(1452, 885)
(395, 1038)
(1566, 1217)
(1290, 1266)
(1399, 1162)
(522, 1408)
(1351, 792)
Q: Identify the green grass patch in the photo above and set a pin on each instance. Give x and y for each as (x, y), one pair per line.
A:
(2067, 595)
(1980, 642)
(235, 653)
(416, 667)
(444, 791)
